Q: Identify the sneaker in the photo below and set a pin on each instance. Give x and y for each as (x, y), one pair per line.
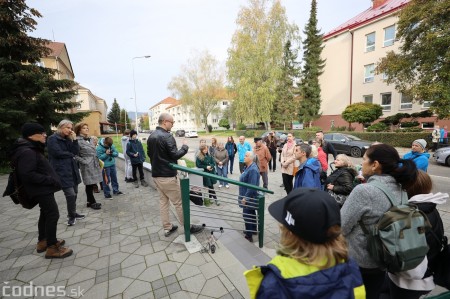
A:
(71, 221)
(94, 205)
(118, 193)
(195, 229)
(108, 196)
(58, 251)
(217, 203)
(144, 183)
(135, 184)
(41, 246)
(171, 231)
(227, 186)
(220, 186)
(79, 217)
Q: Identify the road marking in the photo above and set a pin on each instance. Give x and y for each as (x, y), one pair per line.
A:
(438, 176)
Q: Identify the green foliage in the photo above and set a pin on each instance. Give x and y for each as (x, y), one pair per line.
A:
(421, 67)
(312, 68)
(378, 127)
(241, 126)
(114, 114)
(362, 113)
(123, 116)
(224, 123)
(412, 129)
(340, 129)
(209, 128)
(28, 92)
(409, 124)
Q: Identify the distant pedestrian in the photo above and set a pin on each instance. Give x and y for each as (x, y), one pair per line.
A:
(221, 158)
(272, 144)
(135, 151)
(40, 182)
(264, 158)
(213, 146)
(207, 163)
(62, 149)
(107, 152)
(418, 154)
(445, 135)
(200, 143)
(242, 147)
(128, 167)
(287, 162)
(231, 148)
(435, 136)
(327, 147)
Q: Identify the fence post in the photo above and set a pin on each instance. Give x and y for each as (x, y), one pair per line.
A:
(184, 186)
(261, 206)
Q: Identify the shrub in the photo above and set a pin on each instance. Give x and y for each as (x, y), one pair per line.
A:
(241, 126)
(378, 127)
(224, 123)
(210, 128)
(409, 124)
(340, 129)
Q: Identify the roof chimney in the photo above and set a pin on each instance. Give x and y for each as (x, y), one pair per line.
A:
(378, 3)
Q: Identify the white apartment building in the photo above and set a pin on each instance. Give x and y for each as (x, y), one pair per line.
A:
(183, 116)
(352, 52)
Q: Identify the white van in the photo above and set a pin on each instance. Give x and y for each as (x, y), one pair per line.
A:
(191, 134)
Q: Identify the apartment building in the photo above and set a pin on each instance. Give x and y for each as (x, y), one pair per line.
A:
(352, 52)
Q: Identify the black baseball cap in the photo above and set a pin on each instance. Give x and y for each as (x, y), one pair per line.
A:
(308, 213)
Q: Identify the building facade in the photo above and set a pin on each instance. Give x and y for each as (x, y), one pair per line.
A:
(352, 52)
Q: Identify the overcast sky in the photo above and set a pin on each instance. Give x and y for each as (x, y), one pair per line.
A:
(102, 37)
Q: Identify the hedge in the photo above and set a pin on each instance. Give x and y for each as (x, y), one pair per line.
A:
(403, 139)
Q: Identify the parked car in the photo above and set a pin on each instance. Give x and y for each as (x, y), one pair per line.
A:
(442, 155)
(191, 134)
(348, 144)
(180, 133)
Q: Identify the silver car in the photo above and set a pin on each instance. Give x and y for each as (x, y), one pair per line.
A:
(442, 155)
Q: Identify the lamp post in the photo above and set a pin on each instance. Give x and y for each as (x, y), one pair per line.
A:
(134, 85)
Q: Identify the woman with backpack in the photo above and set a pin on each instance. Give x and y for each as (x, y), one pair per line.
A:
(414, 283)
(367, 203)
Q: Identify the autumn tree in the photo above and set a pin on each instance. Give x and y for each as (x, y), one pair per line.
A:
(255, 59)
(421, 68)
(312, 68)
(28, 91)
(114, 114)
(200, 85)
(363, 113)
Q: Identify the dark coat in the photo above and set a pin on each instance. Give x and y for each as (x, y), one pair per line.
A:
(61, 153)
(433, 238)
(328, 148)
(33, 170)
(135, 146)
(207, 161)
(342, 179)
(231, 149)
(162, 150)
(250, 176)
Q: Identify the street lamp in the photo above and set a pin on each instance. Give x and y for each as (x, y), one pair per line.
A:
(134, 85)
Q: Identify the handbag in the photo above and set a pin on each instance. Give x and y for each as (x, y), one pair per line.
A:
(340, 198)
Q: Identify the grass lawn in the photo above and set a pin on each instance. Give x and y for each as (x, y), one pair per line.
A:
(225, 133)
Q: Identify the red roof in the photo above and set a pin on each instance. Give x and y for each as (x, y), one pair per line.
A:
(56, 48)
(368, 16)
(168, 100)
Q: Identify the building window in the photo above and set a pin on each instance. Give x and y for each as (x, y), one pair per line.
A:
(368, 98)
(428, 125)
(389, 36)
(369, 73)
(426, 104)
(370, 42)
(386, 99)
(405, 102)
(225, 103)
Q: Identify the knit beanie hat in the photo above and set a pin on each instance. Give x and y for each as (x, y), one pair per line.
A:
(421, 142)
(30, 129)
(133, 132)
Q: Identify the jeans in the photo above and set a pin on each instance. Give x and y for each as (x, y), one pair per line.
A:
(211, 192)
(231, 162)
(141, 171)
(265, 179)
(48, 218)
(223, 173)
(273, 161)
(111, 175)
(90, 193)
(249, 216)
(287, 182)
(241, 167)
(71, 199)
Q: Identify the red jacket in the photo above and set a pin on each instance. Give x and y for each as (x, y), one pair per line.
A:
(322, 157)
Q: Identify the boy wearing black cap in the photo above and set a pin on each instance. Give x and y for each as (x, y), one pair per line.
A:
(137, 157)
(40, 183)
(312, 260)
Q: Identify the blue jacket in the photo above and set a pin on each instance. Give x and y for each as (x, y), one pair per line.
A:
(61, 155)
(133, 147)
(250, 176)
(421, 159)
(285, 278)
(242, 149)
(308, 174)
(110, 160)
(231, 149)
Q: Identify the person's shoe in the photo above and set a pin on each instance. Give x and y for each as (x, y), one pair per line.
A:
(171, 231)
(195, 229)
(220, 186)
(227, 186)
(282, 185)
(274, 170)
(144, 183)
(41, 246)
(135, 184)
(94, 205)
(217, 203)
(108, 196)
(71, 221)
(57, 251)
(95, 189)
(79, 217)
(249, 238)
(118, 193)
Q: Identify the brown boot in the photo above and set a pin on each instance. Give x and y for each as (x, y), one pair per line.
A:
(58, 252)
(41, 246)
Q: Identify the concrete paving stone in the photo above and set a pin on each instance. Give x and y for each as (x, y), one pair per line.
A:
(160, 245)
(196, 259)
(67, 272)
(37, 263)
(98, 291)
(23, 260)
(146, 296)
(210, 270)
(193, 284)
(183, 295)
(235, 274)
(204, 297)
(129, 240)
(161, 293)
(152, 228)
(118, 296)
(87, 250)
(83, 231)
(236, 295)
(90, 233)
(170, 279)
(145, 241)
(6, 264)
(137, 288)
(84, 261)
(186, 271)
(78, 289)
(174, 247)
(158, 284)
(101, 278)
(102, 242)
(114, 267)
(108, 249)
(179, 256)
(134, 271)
(117, 258)
(151, 274)
(169, 268)
(173, 288)
(226, 282)
(115, 274)
(140, 232)
(28, 275)
(144, 250)
(155, 258)
(17, 243)
(131, 248)
(118, 285)
(99, 263)
(227, 296)
(118, 238)
(48, 277)
(133, 259)
(82, 275)
(129, 231)
(89, 241)
(214, 288)
(102, 271)
(54, 266)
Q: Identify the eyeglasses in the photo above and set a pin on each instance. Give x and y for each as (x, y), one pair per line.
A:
(172, 122)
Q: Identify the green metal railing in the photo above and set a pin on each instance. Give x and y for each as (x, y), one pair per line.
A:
(185, 195)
